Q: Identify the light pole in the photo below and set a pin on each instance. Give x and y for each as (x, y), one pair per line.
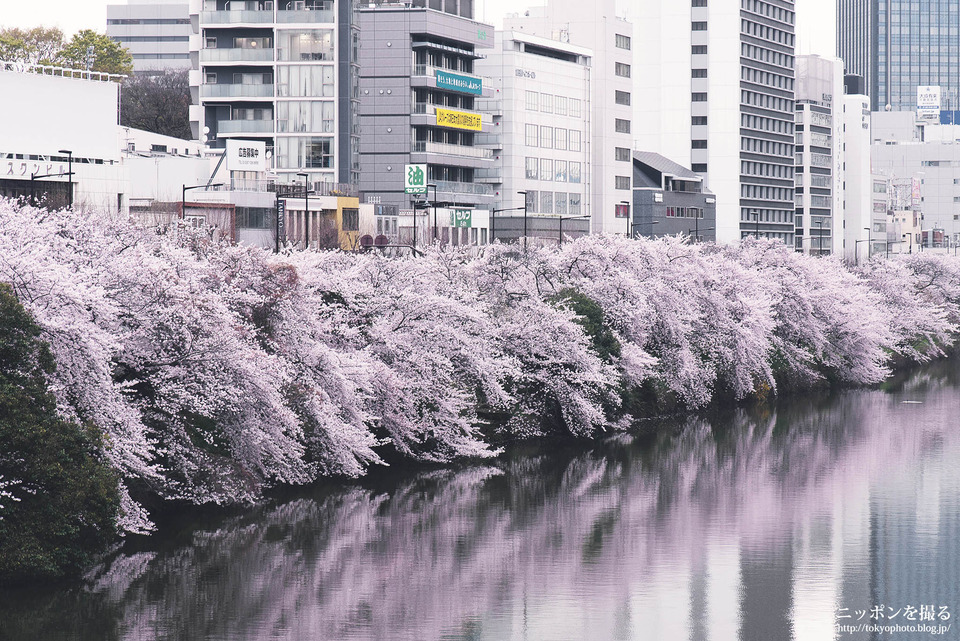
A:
(524, 194)
(33, 190)
(433, 203)
(756, 216)
(819, 224)
(633, 226)
(183, 195)
(698, 230)
(493, 214)
(563, 218)
(69, 173)
(869, 242)
(306, 209)
(417, 205)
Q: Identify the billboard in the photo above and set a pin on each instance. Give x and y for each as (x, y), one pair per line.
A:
(928, 103)
(459, 119)
(456, 82)
(246, 155)
(415, 179)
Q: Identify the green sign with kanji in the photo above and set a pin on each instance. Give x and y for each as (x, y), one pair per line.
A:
(415, 179)
(462, 218)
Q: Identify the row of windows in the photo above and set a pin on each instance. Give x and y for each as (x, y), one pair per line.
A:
(553, 170)
(684, 212)
(765, 147)
(762, 54)
(766, 78)
(763, 100)
(765, 216)
(151, 38)
(549, 202)
(770, 170)
(550, 104)
(552, 137)
(762, 192)
(767, 33)
(149, 21)
(766, 9)
(762, 123)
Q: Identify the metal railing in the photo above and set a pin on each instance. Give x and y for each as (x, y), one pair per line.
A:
(452, 150)
(63, 72)
(236, 91)
(306, 15)
(235, 17)
(457, 187)
(236, 55)
(245, 127)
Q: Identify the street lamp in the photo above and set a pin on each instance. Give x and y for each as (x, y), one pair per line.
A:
(434, 204)
(630, 225)
(633, 226)
(756, 216)
(524, 194)
(33, 191)
(563, 218)
(697, 231)
(493, 215)
(417, 205)
(183, 195)
(819, 224)
(69, 172)
(869, 242)
(306, 209)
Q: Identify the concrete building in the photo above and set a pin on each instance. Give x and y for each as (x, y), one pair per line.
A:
(898, 46)
(542, 110)
(669, 199)
(819, 155)
(909, 150)
(717, 87)
(282, 73)
(858, 190)
(418, 97)
(609, 137)
(155, 32)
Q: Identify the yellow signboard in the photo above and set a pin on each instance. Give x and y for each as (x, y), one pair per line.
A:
(459, 119)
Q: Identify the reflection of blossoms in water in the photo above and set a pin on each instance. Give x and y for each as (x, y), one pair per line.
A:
(561, 541)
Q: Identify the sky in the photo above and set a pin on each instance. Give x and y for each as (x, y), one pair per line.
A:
(815, 20)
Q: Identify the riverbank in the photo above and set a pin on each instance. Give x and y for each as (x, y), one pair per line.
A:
(217, 372)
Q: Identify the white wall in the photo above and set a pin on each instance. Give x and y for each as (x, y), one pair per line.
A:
(857, 175)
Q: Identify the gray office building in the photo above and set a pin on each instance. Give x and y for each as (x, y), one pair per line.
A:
(670, 199)
(420, 105)
(897, 46)
(155, 32)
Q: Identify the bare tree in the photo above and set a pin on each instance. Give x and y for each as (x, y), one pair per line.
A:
(157, 103)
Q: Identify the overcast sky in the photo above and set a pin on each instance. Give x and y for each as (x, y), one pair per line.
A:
(815, 22)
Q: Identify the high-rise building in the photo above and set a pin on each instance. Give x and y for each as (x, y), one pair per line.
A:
(283, 73)
(155, 32)
(819, 155)
(717, 87)
(858, 181)
(542, 114)
(419, 96)
(611, 125)
(899, 46)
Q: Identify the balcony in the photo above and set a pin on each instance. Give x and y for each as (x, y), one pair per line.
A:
(236, 91)
(226, 127)
(209, 18)
(306, 16)
(425, 147)
(236, 55)
(448, 188)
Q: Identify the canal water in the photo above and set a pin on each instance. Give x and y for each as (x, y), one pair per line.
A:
(769, 524)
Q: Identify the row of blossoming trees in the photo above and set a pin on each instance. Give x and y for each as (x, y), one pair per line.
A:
(216, 371)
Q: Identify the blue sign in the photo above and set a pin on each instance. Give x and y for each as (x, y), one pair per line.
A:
(456, 82)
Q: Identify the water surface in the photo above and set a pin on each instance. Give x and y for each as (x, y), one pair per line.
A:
(761, 524)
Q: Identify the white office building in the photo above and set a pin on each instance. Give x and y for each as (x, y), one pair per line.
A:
(717, 87)
(542, 104)
(858, 193)
(819, 155)
(155, 32)
(610, 125)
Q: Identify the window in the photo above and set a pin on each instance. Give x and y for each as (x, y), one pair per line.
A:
(698, 120)
(698, 73)
(574, 140)
(211, 78)
(560, 203)
(621, 210)
(575, 107)
(698, 97)
(622, 97)
(546, 169)
(698, 26)
(560, 107)
(699, 3)
(532, 170)
(532, 100)
(698, 50)
(546, 103)
(530, 202)
(560, 138)
(622, 182)
(560, 171)
(699, 168)
(623, 42)
(622, 126)
(255, 217)
(622, 70)
(532, 136)
(546, 202)
(546, 137)
(698, 144)
(623, 154)
(573, 172)
(573, 201)
(351, 219)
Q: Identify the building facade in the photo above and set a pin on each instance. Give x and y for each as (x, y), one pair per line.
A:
(609, 137)
(669, 199)
(541, 107)
(282, 73)
(419, 97)
(858, 181)
(718, 96)
(899, 46)
(155, 32)
(819, 155)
